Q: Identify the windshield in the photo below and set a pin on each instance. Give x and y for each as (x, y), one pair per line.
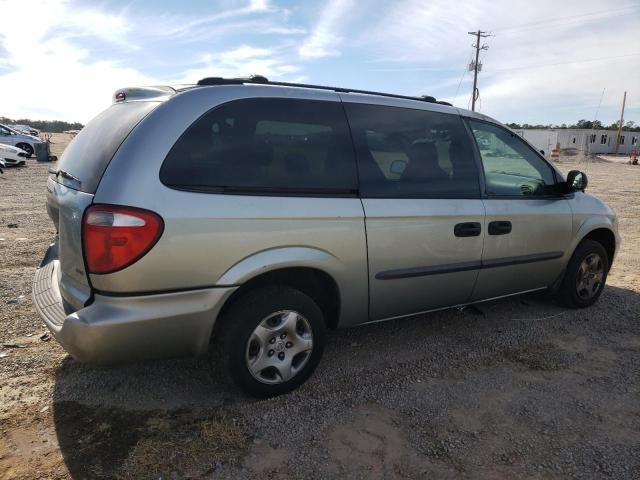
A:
(7, 131)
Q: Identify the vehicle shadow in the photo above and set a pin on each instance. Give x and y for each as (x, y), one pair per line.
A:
(120, 421)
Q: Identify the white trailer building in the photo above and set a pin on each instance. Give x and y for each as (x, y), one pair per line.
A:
(591, 141)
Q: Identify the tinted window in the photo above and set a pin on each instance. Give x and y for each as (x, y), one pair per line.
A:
(89, 153)
(511, 167)
(265, 145)
(412, 153)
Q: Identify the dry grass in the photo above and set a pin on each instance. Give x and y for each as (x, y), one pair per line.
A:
(190, 449)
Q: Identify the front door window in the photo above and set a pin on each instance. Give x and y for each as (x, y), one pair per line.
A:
(511, 167)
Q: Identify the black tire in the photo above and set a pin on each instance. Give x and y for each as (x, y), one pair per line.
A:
(27, 148)
(569, 294)
(243, 318)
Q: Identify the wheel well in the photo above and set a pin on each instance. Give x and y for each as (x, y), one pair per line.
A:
(318, 285)
(607, 239)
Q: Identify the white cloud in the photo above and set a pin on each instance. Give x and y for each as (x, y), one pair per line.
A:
(244, 52)
(242, 61)
(178, 27)
(325, 38)
(48, 75)
(284, 31)
(52, 73)
(541, 63)
(260, 5)
(419, 31)
(111, 28)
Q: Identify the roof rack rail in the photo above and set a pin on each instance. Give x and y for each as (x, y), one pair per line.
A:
(262, 80)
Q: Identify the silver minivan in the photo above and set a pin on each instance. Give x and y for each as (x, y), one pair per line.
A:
(262, 213)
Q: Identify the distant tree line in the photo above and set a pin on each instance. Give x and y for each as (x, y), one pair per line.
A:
(629, 126)
(54, 126)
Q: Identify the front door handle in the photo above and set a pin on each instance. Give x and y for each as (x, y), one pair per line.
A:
(501, 227)
(467, 229)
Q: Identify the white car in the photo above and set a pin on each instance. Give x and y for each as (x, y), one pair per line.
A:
(9, 136)
(12, 156)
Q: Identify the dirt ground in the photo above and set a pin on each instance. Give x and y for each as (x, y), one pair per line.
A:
(517, 388)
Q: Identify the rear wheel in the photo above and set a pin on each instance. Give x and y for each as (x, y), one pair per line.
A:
(585, 276)
(273, 340)
(27, 148)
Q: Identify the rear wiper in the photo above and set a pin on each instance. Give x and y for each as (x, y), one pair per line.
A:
(65, 174)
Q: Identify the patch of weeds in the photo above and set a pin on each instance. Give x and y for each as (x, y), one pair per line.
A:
(188, 449)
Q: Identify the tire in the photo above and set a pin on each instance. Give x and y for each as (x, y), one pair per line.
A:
(273, 340)
(585, 276)
(27, 148)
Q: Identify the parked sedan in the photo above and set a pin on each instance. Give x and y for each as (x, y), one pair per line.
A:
(12, 156)
(26, 129)
(9, 136)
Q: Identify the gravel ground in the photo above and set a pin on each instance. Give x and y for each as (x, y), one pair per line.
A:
(510, 389)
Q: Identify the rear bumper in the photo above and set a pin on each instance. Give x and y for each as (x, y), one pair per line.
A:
(115, 329)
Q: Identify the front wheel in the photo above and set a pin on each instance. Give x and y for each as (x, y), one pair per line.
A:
(273, 340)
(585, 276)
(27, 148)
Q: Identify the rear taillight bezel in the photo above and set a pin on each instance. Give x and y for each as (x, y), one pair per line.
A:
(119, 209)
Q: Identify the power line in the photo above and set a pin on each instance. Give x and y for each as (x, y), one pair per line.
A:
(599, 13)
(593, 125)
(588, 60)
(464, 71)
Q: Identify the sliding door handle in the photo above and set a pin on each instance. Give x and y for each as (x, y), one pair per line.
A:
(467, 229)
(501, 227)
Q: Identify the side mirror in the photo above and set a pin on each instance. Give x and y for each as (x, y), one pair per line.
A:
(576, 180)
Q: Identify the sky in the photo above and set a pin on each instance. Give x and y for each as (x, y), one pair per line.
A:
(547, 61)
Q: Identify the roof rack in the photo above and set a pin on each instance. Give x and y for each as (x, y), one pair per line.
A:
(262, 80)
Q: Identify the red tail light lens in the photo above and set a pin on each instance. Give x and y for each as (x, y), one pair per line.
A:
(114, 237)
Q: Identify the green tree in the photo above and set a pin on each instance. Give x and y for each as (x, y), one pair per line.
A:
(53, 126)
(583, 124)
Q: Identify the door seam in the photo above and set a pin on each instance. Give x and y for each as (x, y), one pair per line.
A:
(484, 239)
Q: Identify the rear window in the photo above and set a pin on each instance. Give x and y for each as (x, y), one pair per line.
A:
(265, 145)
(88, 155)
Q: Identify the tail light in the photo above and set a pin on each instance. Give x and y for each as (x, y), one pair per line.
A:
(114, 237)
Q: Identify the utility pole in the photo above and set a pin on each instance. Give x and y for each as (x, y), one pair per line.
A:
(476, 66)
(624, 100)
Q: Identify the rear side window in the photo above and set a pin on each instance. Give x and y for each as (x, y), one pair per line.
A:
(409, 153)
(88, 155)
(265, 145)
